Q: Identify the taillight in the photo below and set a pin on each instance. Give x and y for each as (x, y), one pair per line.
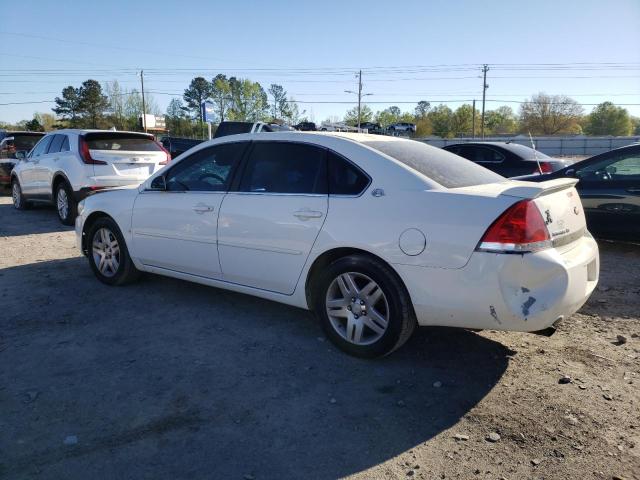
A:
(545, 167)
(86, 155)
(166, 162)
(519, 229)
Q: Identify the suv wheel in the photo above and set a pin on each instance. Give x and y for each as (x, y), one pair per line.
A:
(363, 306)
(108, 254)
(19, 202)
(66, 206)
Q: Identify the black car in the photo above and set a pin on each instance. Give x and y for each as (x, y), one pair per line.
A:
(11, 143)
(609, 187)
(306, 127)
(372, 127)
(507, 159)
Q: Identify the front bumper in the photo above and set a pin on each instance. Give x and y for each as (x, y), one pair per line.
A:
(520, 292)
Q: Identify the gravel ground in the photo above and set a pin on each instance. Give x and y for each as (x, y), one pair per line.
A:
(167, 379)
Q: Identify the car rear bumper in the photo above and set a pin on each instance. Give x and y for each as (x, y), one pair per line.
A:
(520, 292)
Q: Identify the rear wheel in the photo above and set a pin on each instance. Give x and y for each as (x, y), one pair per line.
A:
(19, 202)
(108, 255)
(363, 306)
(66, 206)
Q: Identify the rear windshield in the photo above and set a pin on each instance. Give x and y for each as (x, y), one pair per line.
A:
(25, 142)
(525, 152)
(447, 169)
(121, 141)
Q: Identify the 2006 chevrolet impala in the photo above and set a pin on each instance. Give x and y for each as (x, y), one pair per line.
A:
(375, 234)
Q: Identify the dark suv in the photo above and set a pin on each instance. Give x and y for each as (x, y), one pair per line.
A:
(11, 143)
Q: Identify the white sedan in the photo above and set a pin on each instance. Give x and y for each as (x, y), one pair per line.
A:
(374, 234)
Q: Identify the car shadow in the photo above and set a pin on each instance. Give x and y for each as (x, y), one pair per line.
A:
(39, 218)
(169, 379)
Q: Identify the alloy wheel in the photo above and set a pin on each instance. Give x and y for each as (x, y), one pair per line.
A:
(357, 308)
(62, 202)
(16, 194)
(106, 252)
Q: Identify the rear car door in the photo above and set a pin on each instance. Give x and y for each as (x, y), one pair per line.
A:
(176, 229)
(47, 166)
(268, 225)
(610, 191)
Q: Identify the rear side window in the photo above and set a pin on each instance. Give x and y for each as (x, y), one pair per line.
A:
(42, 146)
(344, 177)
(207, 170)
(56, 143)
(445, 168)
(65, 144)
(119, 141)
(481, 154)
(282, 167)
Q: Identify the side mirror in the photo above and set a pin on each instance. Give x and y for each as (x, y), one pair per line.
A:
(570, 172)
(21, 154)
(159, 183)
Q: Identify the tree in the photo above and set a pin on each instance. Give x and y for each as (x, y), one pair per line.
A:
(47, 120)
(351, 117)
(92, 103)
(249, 100)
(34, 125)
(441, 120)
(607, 119)
(635, 125)
(68, 107)
(500, 120)
(221, 95)
(280, 103)
(116, 104)
(199, 90)
(422, 109)
(462, 120)
(388, 116)
(549, 115)
(178, 122)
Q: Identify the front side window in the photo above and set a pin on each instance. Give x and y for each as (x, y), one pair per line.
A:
(207, 170)
(42, 146)
(624, 166)
(282, 167)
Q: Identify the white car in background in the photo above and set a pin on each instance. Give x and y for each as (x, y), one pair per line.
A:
(375, 234)
(66, 165)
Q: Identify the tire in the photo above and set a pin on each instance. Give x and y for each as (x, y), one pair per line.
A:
(66, 206)
(363, 334)
(19, 202)
(118, 268)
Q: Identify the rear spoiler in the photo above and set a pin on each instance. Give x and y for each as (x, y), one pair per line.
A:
(531, 190)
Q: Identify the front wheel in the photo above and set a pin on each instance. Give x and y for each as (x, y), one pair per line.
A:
(66, 206)
(108, 255)
(363, 306)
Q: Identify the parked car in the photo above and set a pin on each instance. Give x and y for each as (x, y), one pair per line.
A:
(235, 128)
(306, 127)
(507, 159)
(402, 127)
(11, 143)
(66, 165)
(371, 127)
(178, 145)
(375, 234)
(609, 186)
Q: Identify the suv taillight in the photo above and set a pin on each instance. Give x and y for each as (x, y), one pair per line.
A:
(166, 162)
(86, 155)
(520, 229)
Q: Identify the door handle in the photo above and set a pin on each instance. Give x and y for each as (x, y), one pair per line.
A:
(306, 214)
(202, 208)
(56, 159)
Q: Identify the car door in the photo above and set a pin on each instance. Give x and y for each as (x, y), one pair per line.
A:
(268, 225)
(47, 165)
(609, 188)
(176, 228)
(29, 171)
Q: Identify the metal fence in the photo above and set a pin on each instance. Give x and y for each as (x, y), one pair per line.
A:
(555, 146)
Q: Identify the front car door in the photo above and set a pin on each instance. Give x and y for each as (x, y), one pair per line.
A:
(176, 229)
(609, 188)
(268, 225)
(30, 170)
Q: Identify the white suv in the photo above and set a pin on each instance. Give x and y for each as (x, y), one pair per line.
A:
(66, 165)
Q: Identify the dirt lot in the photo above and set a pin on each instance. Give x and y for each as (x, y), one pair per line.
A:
(166, 379)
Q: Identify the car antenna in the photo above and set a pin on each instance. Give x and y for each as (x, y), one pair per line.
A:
(533, 145)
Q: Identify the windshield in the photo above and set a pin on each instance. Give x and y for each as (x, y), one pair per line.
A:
(447, 169)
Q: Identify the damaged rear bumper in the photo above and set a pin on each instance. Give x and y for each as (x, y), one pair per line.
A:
(520, 292)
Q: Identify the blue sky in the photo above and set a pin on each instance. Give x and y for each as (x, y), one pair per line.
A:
(410, 50)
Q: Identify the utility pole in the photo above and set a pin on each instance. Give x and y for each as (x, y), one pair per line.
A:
(359, 96)
(473, 128)
(144, 109)
(485, 69)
